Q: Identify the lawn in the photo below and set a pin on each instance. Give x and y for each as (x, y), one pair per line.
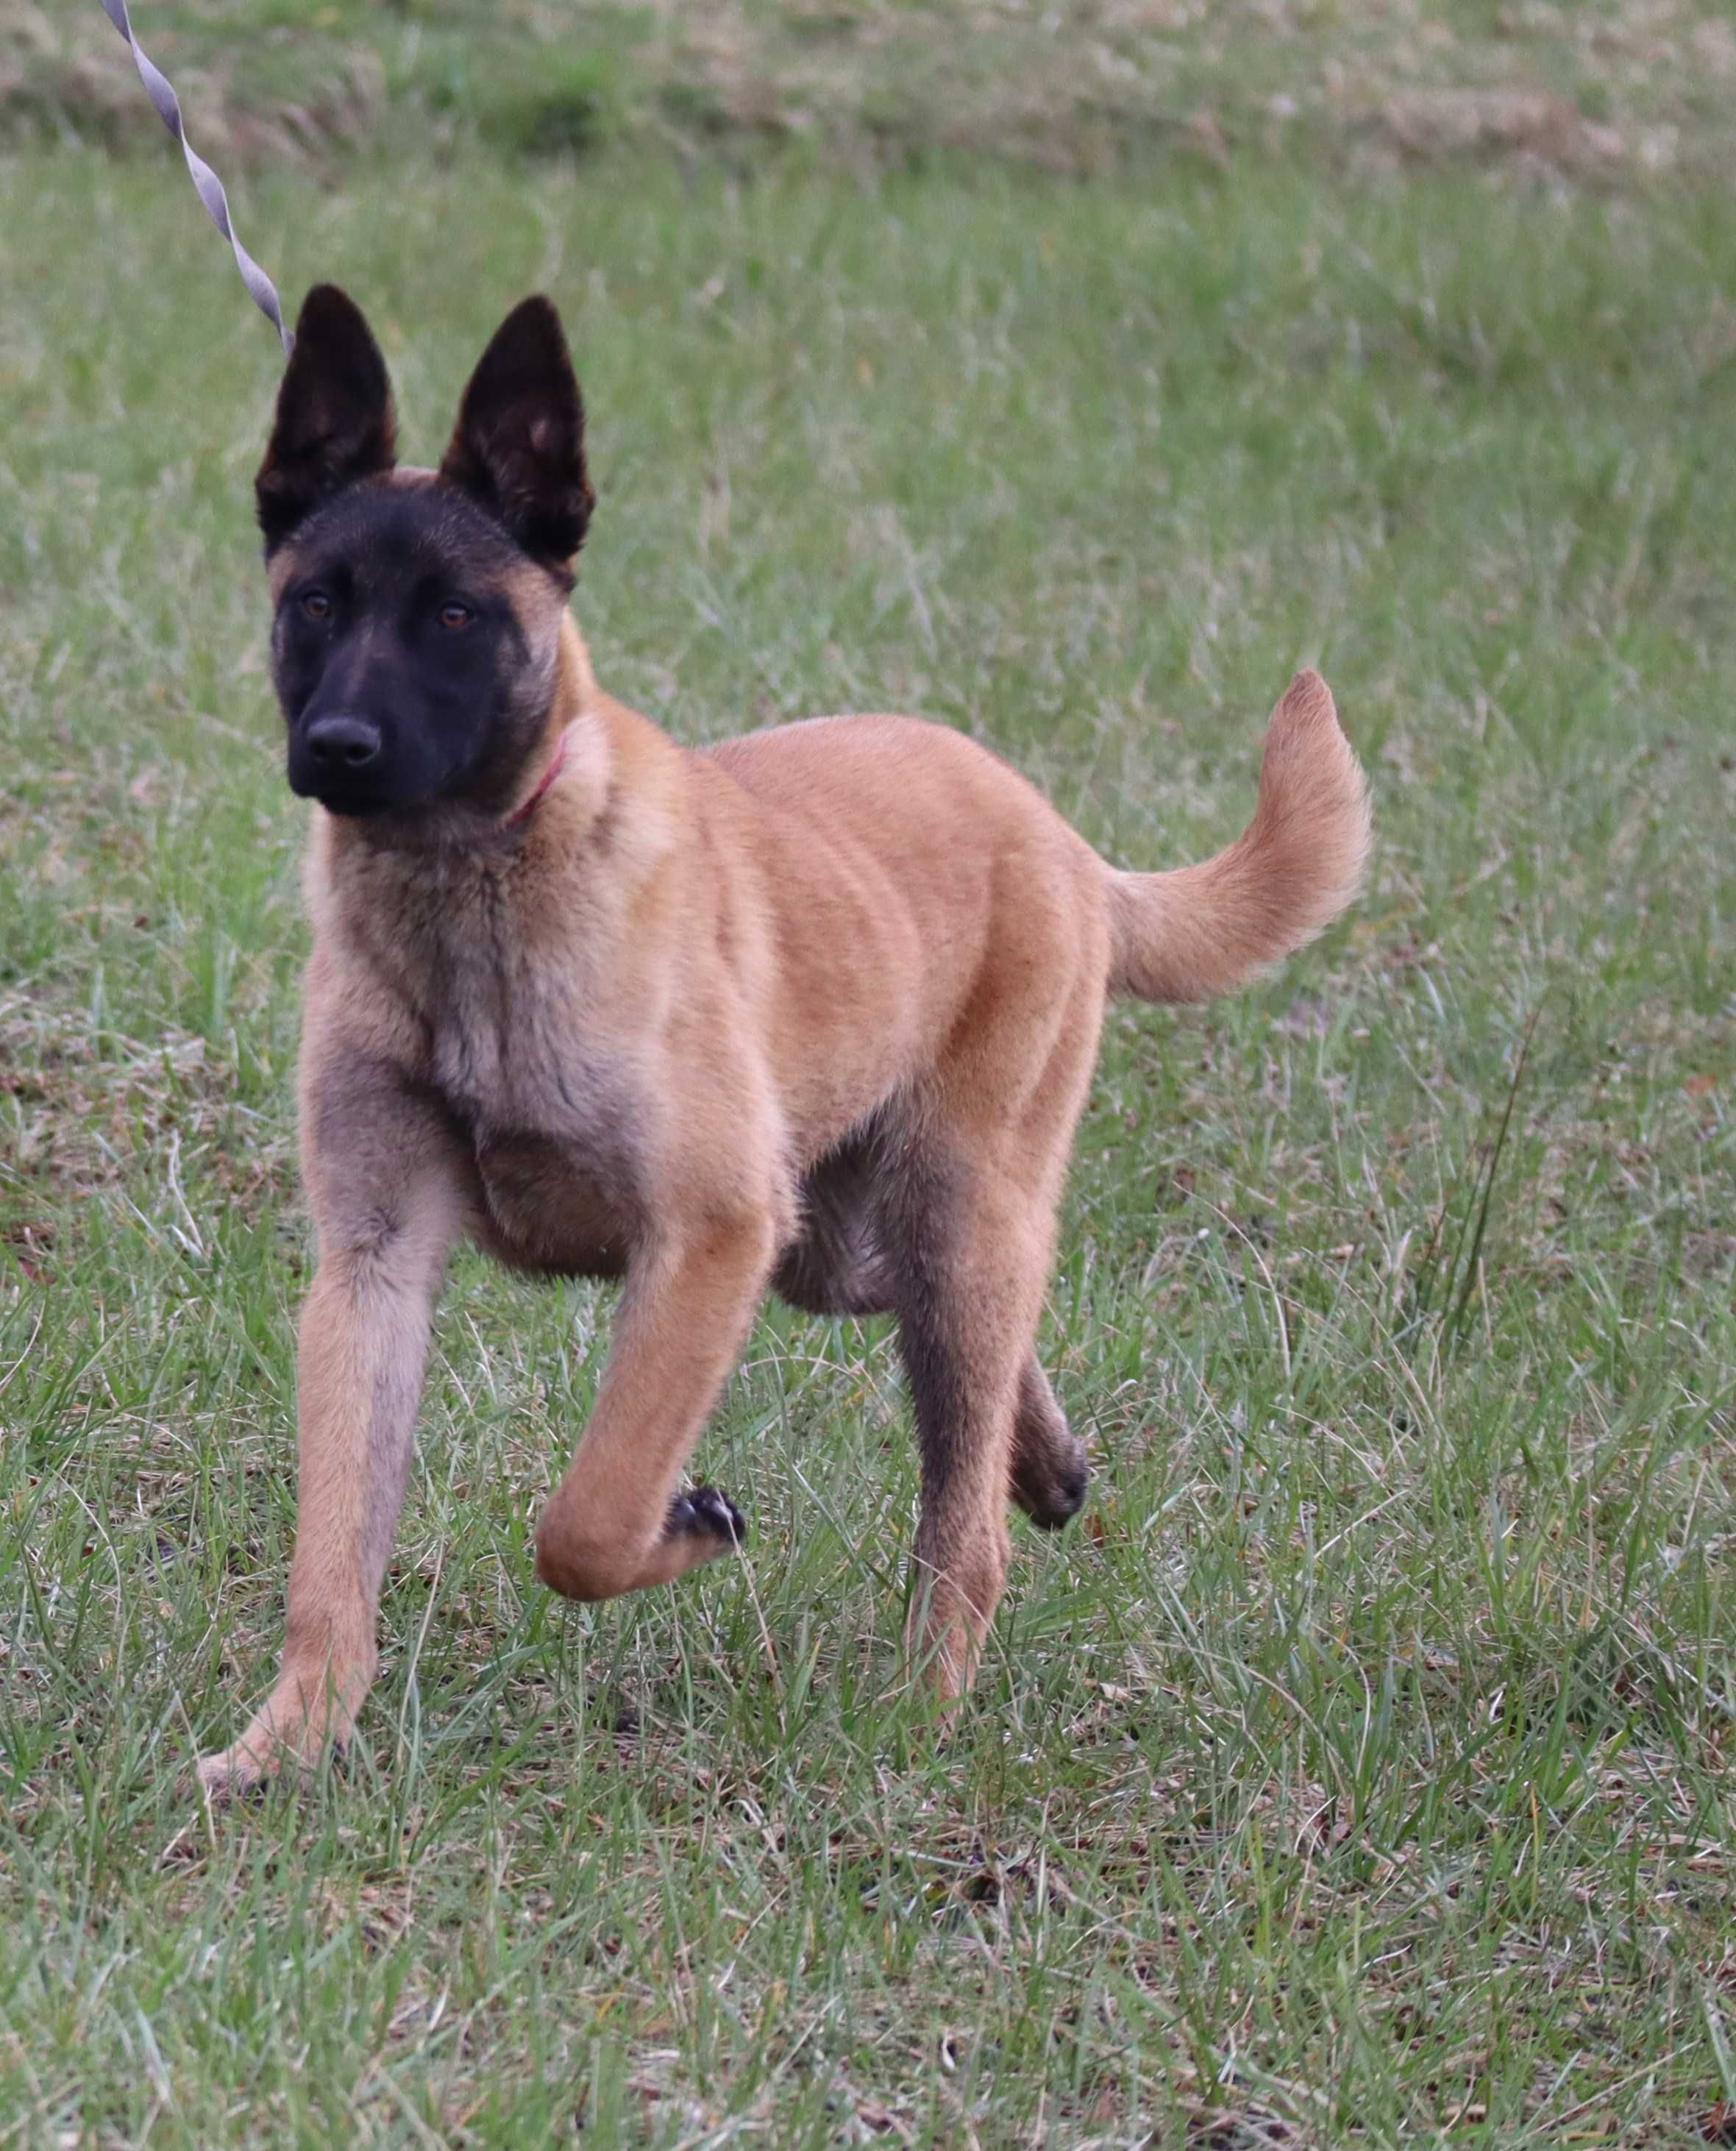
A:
(1358, 1770)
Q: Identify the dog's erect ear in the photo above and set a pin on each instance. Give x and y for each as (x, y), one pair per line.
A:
(518, 447)
(334, 415)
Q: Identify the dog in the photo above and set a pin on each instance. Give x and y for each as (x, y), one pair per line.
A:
(812, 1011)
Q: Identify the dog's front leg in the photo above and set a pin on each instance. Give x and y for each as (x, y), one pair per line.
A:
(386, 1205)
(615, 1522)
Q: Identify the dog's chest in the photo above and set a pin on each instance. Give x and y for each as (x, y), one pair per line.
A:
(551, 1121)
(509, 1040)
(553, 1206)
(559, 1175)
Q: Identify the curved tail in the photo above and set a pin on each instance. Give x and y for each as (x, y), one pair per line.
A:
(1199, 931)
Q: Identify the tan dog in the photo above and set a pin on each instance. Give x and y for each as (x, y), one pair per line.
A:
(814, 1012)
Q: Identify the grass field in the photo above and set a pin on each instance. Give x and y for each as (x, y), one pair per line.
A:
(1359, 1770)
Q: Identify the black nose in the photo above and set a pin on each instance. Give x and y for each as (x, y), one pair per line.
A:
(342, 744)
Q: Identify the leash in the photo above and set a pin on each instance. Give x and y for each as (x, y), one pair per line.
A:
(261, 289)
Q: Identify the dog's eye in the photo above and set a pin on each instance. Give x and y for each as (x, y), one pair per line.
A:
(454, 615)
(316, 604)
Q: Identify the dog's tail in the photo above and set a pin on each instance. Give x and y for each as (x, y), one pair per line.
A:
(1199, 931)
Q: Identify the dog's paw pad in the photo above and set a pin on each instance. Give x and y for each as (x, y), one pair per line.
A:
(705, 1512)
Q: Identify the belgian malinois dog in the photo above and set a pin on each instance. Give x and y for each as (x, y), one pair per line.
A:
(813, 1011)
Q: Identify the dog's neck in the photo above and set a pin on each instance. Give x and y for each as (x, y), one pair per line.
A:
(573, 701)
(355, 869)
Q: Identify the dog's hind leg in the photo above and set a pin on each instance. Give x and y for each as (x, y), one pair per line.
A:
(969, 1208)
(1049, 1469)
(972, 1252)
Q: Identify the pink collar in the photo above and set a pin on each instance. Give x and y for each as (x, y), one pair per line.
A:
(522, 812)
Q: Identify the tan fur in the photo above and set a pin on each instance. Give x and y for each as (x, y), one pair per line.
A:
(1199, 931)
(819, 1006)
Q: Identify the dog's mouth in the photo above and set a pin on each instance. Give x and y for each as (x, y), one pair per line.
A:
(362, 771)
(352, 807)
(404, 804)
(356, 795)
(351, 765)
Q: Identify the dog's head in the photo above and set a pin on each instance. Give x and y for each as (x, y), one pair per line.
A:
(419, 612)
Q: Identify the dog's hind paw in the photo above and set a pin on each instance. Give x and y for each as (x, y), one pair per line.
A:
(1053, 1495)
(704, 1512)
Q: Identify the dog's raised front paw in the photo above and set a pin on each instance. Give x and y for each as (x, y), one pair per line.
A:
(705, 1512)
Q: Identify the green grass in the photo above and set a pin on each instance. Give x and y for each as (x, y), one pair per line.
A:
(1596, 89)
(1359, 1770)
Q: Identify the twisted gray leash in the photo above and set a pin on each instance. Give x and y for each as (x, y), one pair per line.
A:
(261, 289)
